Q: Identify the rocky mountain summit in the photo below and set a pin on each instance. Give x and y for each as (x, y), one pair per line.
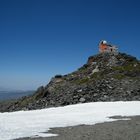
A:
(105, 77)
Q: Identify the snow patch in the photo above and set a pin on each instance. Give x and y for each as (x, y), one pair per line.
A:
(34, 123)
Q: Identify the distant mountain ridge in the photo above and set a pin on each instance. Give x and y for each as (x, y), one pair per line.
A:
(14, 94)
(105, 77)
(4, 89)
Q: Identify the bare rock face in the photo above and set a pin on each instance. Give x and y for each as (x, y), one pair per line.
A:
(105, 77)
(95, 70)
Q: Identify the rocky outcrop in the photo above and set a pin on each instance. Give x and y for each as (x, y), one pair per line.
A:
(105, 77)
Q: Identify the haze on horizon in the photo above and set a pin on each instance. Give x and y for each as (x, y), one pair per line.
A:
(39, 39)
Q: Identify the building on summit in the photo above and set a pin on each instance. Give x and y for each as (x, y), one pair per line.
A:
(104, 47)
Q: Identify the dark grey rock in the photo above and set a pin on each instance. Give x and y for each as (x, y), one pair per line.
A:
(118, 79)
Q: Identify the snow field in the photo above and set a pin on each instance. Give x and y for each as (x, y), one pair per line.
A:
(34, 123)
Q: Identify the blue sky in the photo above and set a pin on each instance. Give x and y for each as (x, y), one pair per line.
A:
(42, 38)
